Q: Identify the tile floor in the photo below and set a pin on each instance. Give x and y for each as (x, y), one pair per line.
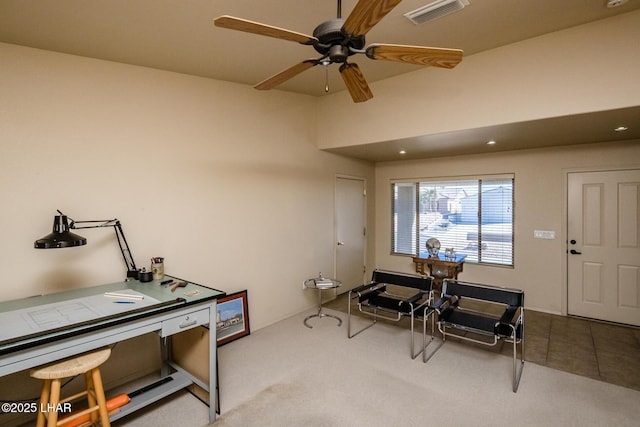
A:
(599, 350)
(602, 351)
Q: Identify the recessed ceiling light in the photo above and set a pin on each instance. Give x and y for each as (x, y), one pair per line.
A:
(621, 128)
(402, 152)
(492, 142)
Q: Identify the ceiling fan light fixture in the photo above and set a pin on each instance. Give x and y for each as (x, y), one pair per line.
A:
(338, 53)
(435, 10)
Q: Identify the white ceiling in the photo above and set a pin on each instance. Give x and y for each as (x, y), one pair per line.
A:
(179, 36)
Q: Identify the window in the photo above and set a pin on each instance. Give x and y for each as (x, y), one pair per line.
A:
(473, 216)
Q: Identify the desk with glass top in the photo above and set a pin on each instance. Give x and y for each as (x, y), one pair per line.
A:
(51, 327)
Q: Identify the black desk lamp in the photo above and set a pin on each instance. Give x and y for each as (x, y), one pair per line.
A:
(61, 237)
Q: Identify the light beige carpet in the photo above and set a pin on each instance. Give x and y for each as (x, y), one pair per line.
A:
(290, 375)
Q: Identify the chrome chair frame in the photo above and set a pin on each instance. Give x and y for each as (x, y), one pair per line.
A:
(509, 326)
(374, 300)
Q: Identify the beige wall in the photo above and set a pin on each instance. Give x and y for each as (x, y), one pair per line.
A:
(582, 69)
(540, 204)
(227, 183)
(587, 68)
(224, 182)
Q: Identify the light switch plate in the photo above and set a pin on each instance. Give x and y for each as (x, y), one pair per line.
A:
(544, 234)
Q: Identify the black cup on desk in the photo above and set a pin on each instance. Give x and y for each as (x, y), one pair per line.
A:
(145, 276)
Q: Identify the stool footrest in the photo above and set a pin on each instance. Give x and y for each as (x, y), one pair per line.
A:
(74, 397)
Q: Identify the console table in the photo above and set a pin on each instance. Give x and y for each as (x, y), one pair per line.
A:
(51, 327)
(440, 266)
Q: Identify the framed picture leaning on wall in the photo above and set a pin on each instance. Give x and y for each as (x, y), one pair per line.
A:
(232, 320)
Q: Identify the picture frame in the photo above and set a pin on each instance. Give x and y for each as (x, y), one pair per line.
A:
(232, 320)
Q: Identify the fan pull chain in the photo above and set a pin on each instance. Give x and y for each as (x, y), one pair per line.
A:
(326, 79)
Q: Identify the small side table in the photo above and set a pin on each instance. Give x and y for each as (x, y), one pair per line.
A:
(321, 283)
(440, 266)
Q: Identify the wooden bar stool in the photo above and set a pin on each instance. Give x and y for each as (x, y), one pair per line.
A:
(87, 364)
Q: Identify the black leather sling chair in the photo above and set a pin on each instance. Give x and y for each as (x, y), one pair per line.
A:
(376, 300)
(485, 314)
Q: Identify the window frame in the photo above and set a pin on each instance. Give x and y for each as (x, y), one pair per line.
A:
(507, 261)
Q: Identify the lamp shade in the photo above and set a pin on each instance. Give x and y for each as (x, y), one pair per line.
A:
(60, 237)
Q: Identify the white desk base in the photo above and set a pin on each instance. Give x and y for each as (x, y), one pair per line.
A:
(165, 324)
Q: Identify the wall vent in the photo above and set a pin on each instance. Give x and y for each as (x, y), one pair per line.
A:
(435, 10)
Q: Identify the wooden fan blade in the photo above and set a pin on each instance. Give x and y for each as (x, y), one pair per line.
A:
(366, 14)
(285, 75)
(247, 26)
(355, 82)
(419, 55)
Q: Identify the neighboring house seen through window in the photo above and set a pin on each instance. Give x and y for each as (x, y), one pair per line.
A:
(473, 216)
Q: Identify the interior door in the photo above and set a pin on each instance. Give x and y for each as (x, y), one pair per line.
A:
(350, 225)
(603, 230)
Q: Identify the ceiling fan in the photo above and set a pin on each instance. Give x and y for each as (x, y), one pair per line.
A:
(337, 39)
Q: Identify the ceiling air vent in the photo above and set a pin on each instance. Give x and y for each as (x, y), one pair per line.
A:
(435, 10)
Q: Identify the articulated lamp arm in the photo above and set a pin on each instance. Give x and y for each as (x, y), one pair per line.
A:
(132, 271)
(61, 237)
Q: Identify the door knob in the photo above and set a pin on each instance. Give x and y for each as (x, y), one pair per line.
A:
(574, 252)
(340, 243)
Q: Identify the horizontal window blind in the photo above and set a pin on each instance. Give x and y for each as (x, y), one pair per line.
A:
(473, 216)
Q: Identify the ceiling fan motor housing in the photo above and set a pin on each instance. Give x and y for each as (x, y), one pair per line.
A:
(334, 43)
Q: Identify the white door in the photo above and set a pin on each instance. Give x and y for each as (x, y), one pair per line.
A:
(350, 224)
(603, 247)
